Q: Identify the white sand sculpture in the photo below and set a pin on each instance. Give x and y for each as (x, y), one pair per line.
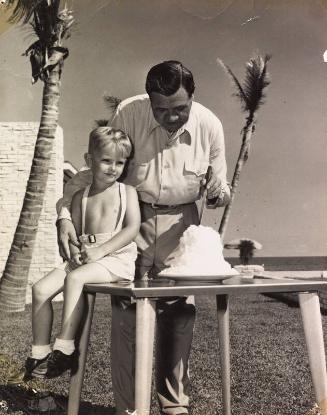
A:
(200, 252)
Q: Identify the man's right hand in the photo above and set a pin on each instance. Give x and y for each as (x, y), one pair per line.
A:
(66, 234)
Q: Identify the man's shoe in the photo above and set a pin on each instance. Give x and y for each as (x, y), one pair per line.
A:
(33, 368)
(59, 362)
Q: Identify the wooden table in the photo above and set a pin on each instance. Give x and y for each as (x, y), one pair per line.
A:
(146, 292)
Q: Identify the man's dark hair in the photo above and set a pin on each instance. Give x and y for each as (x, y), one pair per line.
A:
(167, 77)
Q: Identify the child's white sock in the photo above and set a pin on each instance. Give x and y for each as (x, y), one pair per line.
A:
(40, 351)
(65, 346)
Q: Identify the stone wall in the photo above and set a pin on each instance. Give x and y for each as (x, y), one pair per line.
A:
(17, 140)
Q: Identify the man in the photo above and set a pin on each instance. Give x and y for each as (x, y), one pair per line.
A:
(175, 141)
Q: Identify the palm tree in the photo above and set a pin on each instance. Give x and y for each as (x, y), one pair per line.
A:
(51, 25)
(111, 102)
(246, 247)
(252, 97)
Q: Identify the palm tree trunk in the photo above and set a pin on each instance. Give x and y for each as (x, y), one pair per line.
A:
(14, 280)
(247, 135)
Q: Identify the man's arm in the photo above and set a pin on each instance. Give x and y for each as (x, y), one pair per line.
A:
(76, 213)
(121, 118)
(218, 190)
(127, 115)
(77, 182)
(66, 233)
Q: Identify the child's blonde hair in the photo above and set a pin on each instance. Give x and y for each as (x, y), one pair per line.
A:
(104, 136)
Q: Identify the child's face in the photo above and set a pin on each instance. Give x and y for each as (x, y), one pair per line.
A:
(107, 164)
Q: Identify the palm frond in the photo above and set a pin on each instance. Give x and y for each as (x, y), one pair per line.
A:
(22, 9)
(65, 21)
(102, 122)
(38, 13)
(256, 80)
(111, 102)
(240, 93)
(251, 93)
(43, 24)
(50, 25)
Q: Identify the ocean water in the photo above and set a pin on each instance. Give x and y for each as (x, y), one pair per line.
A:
(289, 263)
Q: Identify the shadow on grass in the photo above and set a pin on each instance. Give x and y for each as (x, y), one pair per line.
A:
(286, 299)
(291, 300)
(88, 408)
(17, 399)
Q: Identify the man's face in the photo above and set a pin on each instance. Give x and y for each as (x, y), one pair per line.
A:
(173, 111)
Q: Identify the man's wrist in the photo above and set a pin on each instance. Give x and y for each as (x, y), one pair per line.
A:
(59, 219)
(64, 213)
(221, 199)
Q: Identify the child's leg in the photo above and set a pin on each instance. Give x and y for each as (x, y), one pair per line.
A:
(42, 315)
(63, 357)
(74, 298)
(42, 312)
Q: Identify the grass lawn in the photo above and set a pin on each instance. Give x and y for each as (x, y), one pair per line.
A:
(270, 372)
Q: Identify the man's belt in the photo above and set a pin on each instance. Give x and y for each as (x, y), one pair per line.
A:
(162, 207)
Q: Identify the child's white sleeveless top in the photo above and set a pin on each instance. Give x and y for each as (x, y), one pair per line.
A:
(120, 263)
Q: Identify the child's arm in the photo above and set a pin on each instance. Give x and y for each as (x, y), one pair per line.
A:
(76, 214)
(131, 227)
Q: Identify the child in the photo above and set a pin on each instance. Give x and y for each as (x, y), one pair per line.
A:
(106, 215)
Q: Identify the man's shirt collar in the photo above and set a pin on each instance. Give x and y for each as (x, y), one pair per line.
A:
(153, 123)
(189, 126)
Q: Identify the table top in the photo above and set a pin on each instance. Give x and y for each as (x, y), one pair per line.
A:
(164, 287)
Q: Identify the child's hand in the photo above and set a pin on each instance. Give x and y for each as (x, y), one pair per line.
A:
(91, 254)
(77, 258)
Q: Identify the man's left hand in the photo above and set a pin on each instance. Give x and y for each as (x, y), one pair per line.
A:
(213, 187)
(89, 255)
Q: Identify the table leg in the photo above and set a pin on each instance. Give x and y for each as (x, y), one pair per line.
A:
(76, 380)
(145, 325)
(311, 318)
(223, 336)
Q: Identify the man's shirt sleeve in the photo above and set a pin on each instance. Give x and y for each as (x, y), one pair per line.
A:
(79, 181)
(217, 154)
(123, 119)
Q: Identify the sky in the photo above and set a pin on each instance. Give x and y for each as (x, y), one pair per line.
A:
(282, 196)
